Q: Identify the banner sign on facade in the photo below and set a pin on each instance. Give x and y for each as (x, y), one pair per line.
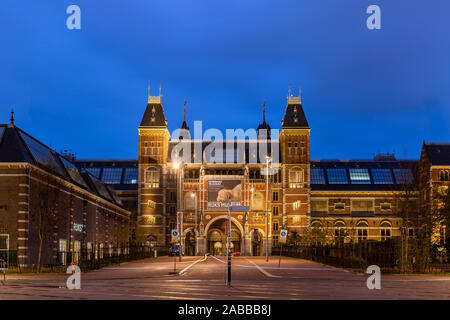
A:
(220, 191)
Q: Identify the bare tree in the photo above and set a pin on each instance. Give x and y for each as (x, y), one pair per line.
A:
(43, 211)
(407, 205)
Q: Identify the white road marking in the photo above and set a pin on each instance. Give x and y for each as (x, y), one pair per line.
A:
(194, 263)
(216, 258)
(262, 270)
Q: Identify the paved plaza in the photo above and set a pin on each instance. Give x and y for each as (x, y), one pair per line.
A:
(204, 278)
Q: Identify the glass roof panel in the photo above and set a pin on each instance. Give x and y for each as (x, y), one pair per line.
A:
(382, 176)
(93, 171)
(359, 176)
(73, 172)
(42, 154)
(101, 188)
(131, 176)
(403, 176)
(317, 176)
(112, 175)
(337, 176)
(114, 194)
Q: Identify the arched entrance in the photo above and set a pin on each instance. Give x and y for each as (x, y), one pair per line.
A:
(189, 243)
(217, 237)
(257, 242)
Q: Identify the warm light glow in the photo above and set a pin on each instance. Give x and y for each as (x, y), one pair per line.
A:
(176, 165)
(193, 195)
(252, 189)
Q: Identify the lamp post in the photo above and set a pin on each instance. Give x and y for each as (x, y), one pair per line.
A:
(251, 222)
(229, 245)
(176, 165)
(268, 159)
(193, 195)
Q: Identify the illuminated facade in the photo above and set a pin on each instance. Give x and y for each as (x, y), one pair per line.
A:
(182, 183)
(355, 196)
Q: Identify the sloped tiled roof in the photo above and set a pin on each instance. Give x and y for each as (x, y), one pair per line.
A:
(18, 146)
(154, 116)
(294, 117)
(438, 153)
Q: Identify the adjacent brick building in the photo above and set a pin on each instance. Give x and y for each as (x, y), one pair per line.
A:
(43, 192)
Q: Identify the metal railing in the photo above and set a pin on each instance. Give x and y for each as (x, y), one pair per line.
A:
(386, 254)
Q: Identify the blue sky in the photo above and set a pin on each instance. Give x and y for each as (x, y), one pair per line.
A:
(363, 90)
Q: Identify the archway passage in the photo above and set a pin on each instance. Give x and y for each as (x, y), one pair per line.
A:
(190, 243)
(217, 238)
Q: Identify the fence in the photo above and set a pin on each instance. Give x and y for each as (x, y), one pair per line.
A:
(387, 255)
(90, 259)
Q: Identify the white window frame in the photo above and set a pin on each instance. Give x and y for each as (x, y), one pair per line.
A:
(63, 253)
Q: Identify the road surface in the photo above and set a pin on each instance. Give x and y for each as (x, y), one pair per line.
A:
(252, 278)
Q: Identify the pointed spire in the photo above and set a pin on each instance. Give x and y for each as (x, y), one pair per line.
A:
(264, 111)
(184, 124)
(264, 128)
(12, 116)
(148, 92)
(160, 88)
(300, 92)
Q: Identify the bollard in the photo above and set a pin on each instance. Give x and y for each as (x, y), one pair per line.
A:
(156, 253)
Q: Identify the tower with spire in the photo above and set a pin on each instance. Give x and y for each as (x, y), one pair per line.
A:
(184, 130)
(295, 154)
(153, 150)
(264, 128)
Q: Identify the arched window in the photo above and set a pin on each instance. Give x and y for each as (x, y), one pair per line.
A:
(152, 177)
(339, 231)
(339, 224)
(296, 178)
(385, 230)
(316, 224)
(362, 227)
(444, 175)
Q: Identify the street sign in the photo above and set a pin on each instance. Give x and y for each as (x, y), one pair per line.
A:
(283, 236)
(240, 208)
(175, 236)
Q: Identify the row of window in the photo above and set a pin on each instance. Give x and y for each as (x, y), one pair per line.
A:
(341, 224)
(444, 175)
(92, 253)
(362, 205)
(152, 148)
(297, 176)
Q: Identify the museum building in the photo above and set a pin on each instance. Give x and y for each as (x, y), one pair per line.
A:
(166, 190)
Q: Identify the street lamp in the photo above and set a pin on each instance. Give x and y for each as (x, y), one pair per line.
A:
(252, 190)
(176, 166)
(268, 159)
(193, 195)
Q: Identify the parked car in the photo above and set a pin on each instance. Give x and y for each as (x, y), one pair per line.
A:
(174, 250)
